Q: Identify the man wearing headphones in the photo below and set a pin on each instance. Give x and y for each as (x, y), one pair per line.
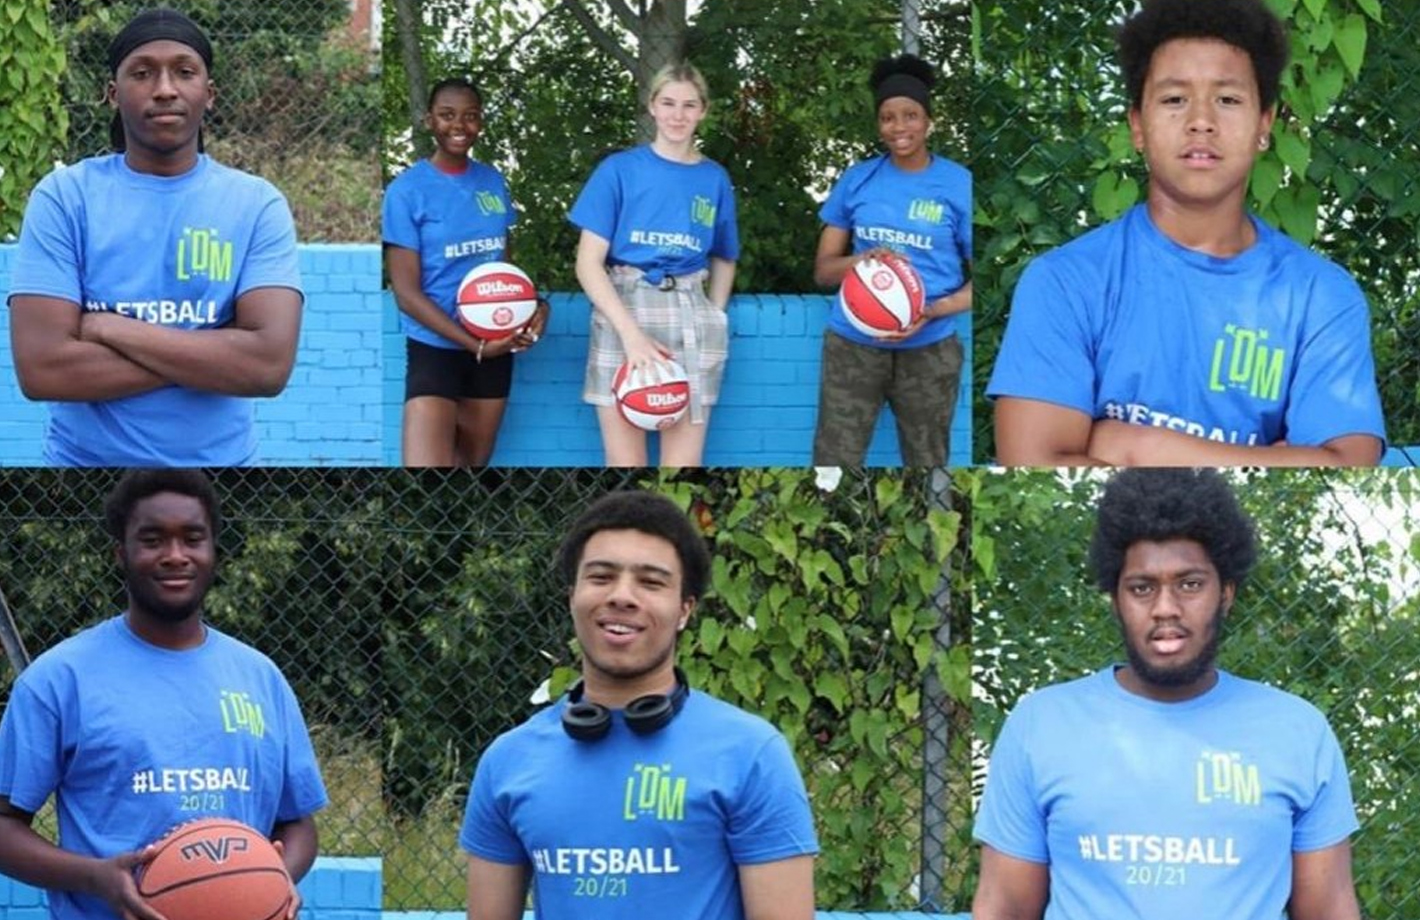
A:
(635, 796)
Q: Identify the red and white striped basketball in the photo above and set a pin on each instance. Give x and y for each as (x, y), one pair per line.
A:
(882, 296)
(495, 300)
(652, 398)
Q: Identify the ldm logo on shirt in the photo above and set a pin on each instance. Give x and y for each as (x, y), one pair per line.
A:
(1243, 360)
(702, 211)
(489, 203)
(240, 714)
(1223, 776)
(926, 210)
(652, 792)
(201, 255)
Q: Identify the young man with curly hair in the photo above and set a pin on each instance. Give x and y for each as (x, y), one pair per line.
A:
(1166, 788)
(150, 719)
(635, 796)
(1189, 332)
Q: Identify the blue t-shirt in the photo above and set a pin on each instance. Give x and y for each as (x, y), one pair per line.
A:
(173, 251)
(1165, 811)
(1124, 323)
(629, 826)
(455, 223)
(924, 215)
(663, 217)
(135, 739)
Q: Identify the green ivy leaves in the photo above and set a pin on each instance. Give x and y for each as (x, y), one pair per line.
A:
(33, 123)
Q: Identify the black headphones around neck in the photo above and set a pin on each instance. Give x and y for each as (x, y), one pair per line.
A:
(644, 715)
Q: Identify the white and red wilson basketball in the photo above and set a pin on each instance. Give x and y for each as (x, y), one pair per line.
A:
(882, 296)
(495, 300)
(216, 869)
(652, 398)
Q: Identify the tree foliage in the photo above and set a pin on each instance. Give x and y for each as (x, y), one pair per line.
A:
(295, 101)
(1329, 613)
(1050, 108)
(32, 123)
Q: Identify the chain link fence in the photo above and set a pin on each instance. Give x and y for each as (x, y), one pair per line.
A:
(1329, 613)
(297, 98)
(416, 616)
(1049, 110)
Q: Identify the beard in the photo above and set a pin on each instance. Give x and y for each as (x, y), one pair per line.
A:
(1183, 673)
(144, 596)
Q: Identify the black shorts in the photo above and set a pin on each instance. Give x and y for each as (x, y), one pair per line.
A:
(454, 373)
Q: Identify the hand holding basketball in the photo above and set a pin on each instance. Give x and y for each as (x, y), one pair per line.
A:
(216, 869)
(294, 906)
(877, 254)
(529, 335)
(114, 883)
(642, 351)
(495, 300)
(883, 297)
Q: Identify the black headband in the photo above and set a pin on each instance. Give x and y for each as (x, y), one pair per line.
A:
(904, 84)
(156, 25)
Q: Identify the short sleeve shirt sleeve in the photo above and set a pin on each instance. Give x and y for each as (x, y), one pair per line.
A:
(1010, 818)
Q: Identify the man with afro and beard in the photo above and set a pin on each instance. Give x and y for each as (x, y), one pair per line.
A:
(1167, 788)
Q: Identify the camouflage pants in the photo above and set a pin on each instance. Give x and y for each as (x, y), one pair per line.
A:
(920, 384)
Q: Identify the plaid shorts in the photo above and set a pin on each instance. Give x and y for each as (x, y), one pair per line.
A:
(682, 318)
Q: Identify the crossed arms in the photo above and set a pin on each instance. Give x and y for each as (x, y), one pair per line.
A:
(63, 354)
(1032, 432)
(1017, 889)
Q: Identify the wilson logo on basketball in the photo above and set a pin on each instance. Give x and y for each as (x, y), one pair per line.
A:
(883, 280)
(497, 288)
(217, 850)
(657, 400)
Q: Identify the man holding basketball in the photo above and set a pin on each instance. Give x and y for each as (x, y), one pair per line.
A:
(1188, 332)
(1166, 788)
(154, 290)
(151, 719)
(636, 796)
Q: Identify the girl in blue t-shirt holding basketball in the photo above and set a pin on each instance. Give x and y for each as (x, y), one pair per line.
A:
(442, 217)
(656, 258)
(917, 204)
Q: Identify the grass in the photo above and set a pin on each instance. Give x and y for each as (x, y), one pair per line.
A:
(423, 866)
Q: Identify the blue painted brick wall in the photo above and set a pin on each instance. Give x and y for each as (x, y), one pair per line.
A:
(350, 888)
(767, 406)
(331, 412)
(336, 888)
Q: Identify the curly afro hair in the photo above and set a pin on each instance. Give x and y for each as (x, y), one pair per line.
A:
(648, 513)
(1245, 24)
(1171, 504)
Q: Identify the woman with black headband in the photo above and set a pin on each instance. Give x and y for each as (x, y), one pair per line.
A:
(155, 290)
(918, 205)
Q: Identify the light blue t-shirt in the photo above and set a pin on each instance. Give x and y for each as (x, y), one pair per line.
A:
(631, 827)
(173, 251)
(1124, 323)
(134, 739)
(924, 215)
(663, 217)
(455, 223)
(1165, 811)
